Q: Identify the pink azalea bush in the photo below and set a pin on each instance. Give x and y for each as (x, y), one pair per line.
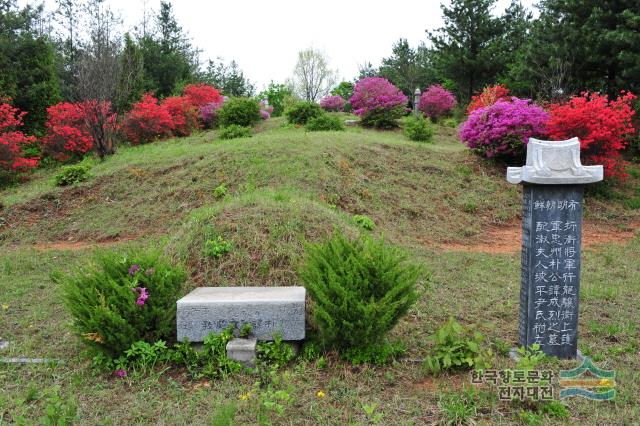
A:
(437, 101)
(378, 102)
(332, 103)
(504, 128)
(209, 113)
(265, 110)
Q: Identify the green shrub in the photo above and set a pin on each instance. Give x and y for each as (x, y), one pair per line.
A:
(456, 347)
(383, 118)
(364, 221)
(234, 131)
(211, 361)
(324, 122)
(123, 298)
(450, 122)
(69, 175)
(301, 112)
(219, 191)
(217, 247)
(418, 129)
(360, 289)
(243, 112)
(274, 354)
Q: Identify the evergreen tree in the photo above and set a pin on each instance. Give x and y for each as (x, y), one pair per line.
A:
(466, 47)
(131, 75)
(229, 79)
(408, 68)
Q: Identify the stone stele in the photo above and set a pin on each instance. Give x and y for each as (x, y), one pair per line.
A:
(269, 310)
(554, 162)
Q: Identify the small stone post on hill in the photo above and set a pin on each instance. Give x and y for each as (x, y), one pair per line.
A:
(553, 181)
(416, 102)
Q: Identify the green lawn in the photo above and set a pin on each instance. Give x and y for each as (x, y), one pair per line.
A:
(286, 186)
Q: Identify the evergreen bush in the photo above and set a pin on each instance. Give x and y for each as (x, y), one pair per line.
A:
(123, 298)
(359, 288)
(234, 131)
(301, 112)
(239, 111)
(418, 129)
(324, 122)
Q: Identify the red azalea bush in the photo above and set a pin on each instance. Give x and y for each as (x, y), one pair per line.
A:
(503, 129)
(201, 94)
(437, 101)
(332, 103)
(489, 96)
(603, 126)
(12, 140)
(183, 113)
(102, 124)
(66, 135)
(147, 121)
(378, 102)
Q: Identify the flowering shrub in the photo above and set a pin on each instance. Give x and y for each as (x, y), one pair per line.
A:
(489, 96)
(265, 110)
(378, 102)
(603, 126)
(147, 121)
(12, 140)
(123, 298)
(436, 101)
(209, 113)
(503, 129)
(67, 135)
(202, 94)
(332, 103)
(183, 114)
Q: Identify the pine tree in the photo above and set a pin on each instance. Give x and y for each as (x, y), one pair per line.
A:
(131, 76)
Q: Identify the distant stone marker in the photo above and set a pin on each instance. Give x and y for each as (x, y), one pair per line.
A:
(416, 102)
(553, 180)
(269, 310)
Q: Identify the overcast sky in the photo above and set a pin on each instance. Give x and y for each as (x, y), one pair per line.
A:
(265, 36)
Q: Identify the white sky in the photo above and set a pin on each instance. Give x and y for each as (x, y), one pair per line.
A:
(265, 36)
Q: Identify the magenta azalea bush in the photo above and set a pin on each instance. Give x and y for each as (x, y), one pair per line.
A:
(332, 103)
(504, 128)
(265, 110)
(209, 113)
(437, 101)
(378, 102)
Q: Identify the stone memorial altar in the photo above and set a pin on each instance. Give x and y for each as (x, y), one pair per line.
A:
(553, 180)
(269, 310)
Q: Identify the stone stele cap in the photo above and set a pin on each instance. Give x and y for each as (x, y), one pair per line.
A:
(554, 163)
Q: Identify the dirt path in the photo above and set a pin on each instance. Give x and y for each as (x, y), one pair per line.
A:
(83, 245)
(507, 239)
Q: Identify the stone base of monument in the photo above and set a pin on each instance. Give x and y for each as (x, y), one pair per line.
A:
(243, 350)
(269, 311)
(514, 355)
(351, 122)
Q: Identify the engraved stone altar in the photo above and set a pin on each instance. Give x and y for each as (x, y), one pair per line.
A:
(269, 310)
(553, 181)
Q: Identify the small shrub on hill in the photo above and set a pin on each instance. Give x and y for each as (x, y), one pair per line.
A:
(378, 102)
(360, 289)
(12, 141)
(69, 175)
(183, 114)
(503, 129)
(436, 102)
(217, 247)
(324, 122)
(147, 121)
(301, 112)
(239, 111)
(365, 222)
(604, 127)
(418, 129)
(456, 347)
(332, 103)
(123, 298)
(234, 131)
(489, 96)
(265, 110)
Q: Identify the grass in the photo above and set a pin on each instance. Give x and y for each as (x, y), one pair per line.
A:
(286, 186)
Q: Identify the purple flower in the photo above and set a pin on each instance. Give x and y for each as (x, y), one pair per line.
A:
(134, 268)
(143, 295)
(437, 101)
(120, 373)
(332, 103)
(376, 93)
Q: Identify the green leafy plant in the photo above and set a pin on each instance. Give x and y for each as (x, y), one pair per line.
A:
(274, 354)
(122, 298)
(142, 356)
(529, 357)
(459, 408)
(449, 122)
(418, 129)
(217, 247)
(364, 221)
(324, 122)
(373, 416)
(234, 131)
(359, 289)
(456, 347)
(245, 330)
(243, 112)
(69, 175)
(219, 191)
(301, 112)
(58, 411)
